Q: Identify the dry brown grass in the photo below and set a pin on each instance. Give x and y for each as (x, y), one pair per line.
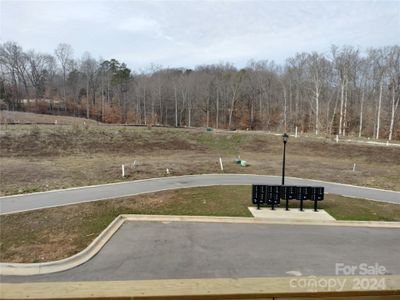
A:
(49, 157)
(12, 117)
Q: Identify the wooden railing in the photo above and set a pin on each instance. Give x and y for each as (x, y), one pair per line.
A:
(272, 288)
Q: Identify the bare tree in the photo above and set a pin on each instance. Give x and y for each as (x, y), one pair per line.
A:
(343, 60)
(318, 70)
(235, 84)
(378, 58)
(39, 66)
(89, 69)
(64, 53)
(15, 60)
(394, 86)
(362, 79)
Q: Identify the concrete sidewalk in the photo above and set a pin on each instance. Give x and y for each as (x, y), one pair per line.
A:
(280, 213)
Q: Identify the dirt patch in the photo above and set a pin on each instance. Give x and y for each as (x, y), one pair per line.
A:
(67, 141)
(17, 117)
(53, 246)
(327, 149)
(42, 158)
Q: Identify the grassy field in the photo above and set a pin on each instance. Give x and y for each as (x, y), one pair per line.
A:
(38, 158)
(43, 157)
(56, 233)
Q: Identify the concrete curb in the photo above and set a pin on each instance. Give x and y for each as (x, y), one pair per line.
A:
(251, 220)
(25, 269)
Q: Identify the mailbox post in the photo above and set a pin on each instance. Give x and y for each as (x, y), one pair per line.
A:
(315, 205)
(302, 193)
(259, 195)
(273, 196)
(285, 138)
(317, 194)
(288, 193)
(287, 202)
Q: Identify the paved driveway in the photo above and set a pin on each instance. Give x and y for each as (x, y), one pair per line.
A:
(177, 250)
(33, 201)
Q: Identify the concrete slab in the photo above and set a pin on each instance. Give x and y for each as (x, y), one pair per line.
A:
(293, 214)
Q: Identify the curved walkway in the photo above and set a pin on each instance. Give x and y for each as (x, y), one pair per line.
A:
(26, 202)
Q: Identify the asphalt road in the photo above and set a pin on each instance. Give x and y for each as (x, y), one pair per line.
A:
(178, 250)
(18, 203)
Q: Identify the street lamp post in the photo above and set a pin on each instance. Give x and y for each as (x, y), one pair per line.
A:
(285, 138)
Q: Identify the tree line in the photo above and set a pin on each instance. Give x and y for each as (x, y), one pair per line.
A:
(345, 91)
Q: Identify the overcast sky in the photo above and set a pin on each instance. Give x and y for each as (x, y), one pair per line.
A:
(189, 33)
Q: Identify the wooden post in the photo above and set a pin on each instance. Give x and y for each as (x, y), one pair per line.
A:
(123, 170)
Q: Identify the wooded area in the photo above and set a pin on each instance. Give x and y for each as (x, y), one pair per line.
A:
(346, 91)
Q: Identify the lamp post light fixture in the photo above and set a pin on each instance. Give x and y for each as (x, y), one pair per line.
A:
(285, 138)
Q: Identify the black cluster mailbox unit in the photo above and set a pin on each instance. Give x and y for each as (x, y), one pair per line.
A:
(266, 194)
(271, 195)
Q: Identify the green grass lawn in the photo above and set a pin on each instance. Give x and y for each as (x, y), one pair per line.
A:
(59, 232)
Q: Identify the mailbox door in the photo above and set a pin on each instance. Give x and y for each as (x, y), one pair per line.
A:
(254, 194)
